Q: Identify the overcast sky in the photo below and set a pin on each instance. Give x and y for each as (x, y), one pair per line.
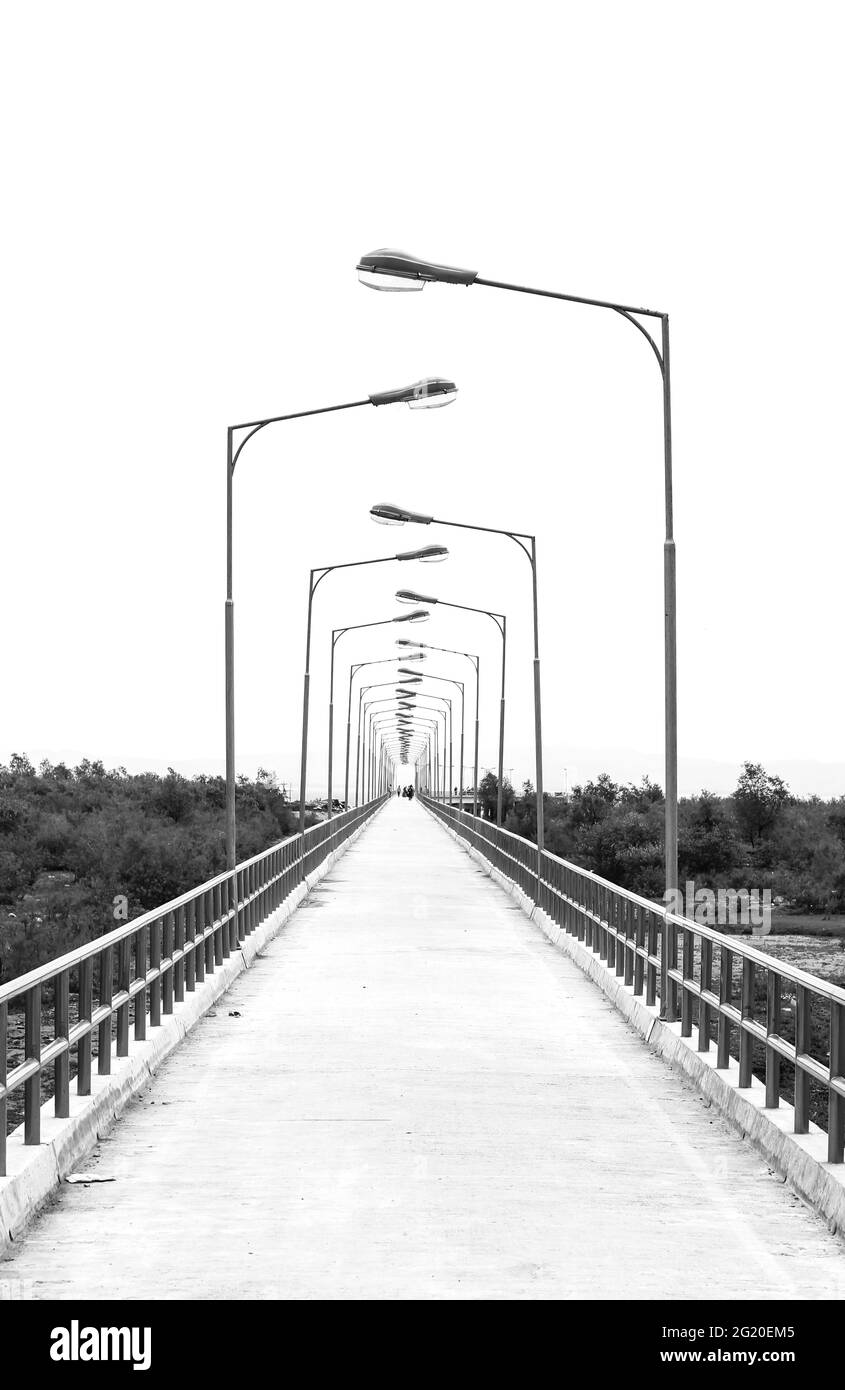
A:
(188, 189)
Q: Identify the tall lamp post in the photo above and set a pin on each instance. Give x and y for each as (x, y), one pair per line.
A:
(398, 712)
(476, 664)
(360, 762)
(447, 680)
(388, 514)
(394, 270)
(427, 553)
(431, 391)
(414, 726)
(446, 712)
(443, 708)
(379, 726)
(337, 633)
(408, 596)
(353, 671)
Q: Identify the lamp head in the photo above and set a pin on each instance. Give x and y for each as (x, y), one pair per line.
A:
(427, 394)
(429, 554)
(386, 269)
(419, 616)
(411, 596)
(387, 514)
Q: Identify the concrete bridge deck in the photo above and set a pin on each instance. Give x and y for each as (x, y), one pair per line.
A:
(421, 1098)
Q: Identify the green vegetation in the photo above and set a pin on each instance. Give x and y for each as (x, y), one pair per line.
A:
(760, 837)
(72, 840)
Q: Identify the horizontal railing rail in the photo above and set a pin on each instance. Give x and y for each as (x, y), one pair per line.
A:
(715, 982)
(143, 967)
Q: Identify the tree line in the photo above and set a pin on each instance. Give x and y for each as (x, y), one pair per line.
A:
(759, 837)
(73, 840)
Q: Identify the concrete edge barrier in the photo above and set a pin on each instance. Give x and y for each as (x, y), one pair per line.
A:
(35, 1171)
(801, 1159)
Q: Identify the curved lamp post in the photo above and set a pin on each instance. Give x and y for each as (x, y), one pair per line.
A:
(362, 707)
(378, 725)
(447, 680)
(353, 671)
(444, 708)
(338, 632)
(389, 514)
(425, 554)
(431, 391)
(408, 596)
(476, 664)
(419, 727)
(398, 704)
(395, 270)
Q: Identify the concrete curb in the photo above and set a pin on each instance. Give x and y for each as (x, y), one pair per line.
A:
(801, 1159)
(33, 1173)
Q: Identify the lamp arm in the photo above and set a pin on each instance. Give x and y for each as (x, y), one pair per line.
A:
(253, 426)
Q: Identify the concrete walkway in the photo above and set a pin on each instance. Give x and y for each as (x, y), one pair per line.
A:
(422, 1098)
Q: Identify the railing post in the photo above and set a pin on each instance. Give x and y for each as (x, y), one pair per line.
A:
(723, 1042)
(86, 1008)
(639, 941)
(802, 1048)
(836, 1103)
(167, 964)
(772, 1031)
(746, 1042)
(32, 1049)
(210, 940)
(4, 1026)
(706, 984)
(627, 913)
(652, 934)
(155, 968)
(237, 887)
(199, 939)
(190, 946)
(141, 974)
(106, 996)
(687, 956)
(123, 988)
(61, 1028)
(179, 945)
(221, 949)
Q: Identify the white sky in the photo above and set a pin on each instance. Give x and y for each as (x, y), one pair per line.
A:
(188, 188)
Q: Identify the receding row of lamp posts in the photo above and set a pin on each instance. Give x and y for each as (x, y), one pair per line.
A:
(404, 731)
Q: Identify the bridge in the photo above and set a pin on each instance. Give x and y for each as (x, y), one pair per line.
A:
(399, 1058)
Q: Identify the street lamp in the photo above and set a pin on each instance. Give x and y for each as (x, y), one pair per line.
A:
(321, 571)
(386, 269)
(427, 729)
(353, 671)
(443, 708)
(430, 392)
(377, 724)
(430, 552)
(475, 662)
(417, 616)
(387, 513)
(408, 596)
(363, 707)
(447, 680)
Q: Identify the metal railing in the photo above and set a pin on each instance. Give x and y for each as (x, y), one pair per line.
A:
(770, 1011)
(145, 966)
